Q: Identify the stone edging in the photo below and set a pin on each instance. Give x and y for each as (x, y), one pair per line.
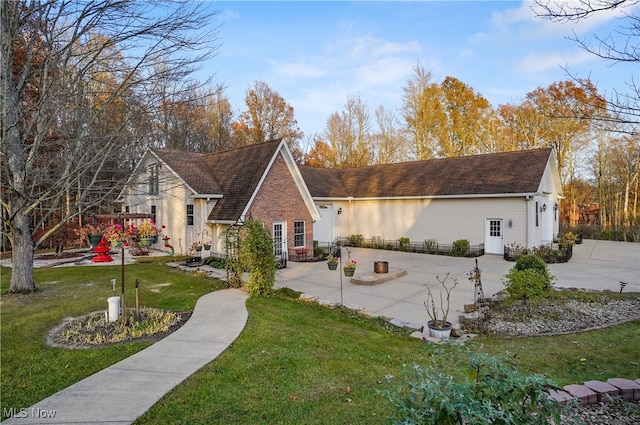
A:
(592, 392)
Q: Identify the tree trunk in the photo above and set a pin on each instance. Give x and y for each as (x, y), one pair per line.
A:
(22, 255)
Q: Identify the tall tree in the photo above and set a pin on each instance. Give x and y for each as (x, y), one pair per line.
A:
(566, 108)
(348, 134)
(620, 47)
(268, 117)
(420, 110)
(68, 71)
(469, 120)
(389, 143)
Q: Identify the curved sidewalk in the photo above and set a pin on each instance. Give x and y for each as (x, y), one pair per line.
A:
(121, 393)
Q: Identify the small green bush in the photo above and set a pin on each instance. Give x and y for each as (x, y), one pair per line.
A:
(529, 261)
(317, 251)
(472, 388)
(403, 244)
(216, 263)
(529, 286)
(356, 240)
(460, 248)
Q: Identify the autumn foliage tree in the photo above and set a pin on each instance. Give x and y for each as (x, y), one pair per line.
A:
(267, 117)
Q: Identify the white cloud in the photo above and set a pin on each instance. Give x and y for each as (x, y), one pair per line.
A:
(539, 62)
(368, 46)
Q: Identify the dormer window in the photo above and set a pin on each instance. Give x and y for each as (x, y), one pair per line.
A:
(154, 186)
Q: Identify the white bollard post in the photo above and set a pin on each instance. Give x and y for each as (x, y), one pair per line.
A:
(114, 308)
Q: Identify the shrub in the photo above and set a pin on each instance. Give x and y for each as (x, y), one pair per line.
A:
(529, 286)
(403, 244)
(356, 240)
(460, 248)
(317, 251)
(257, 254)
(216, 263)
(529, 261)
(465, 387)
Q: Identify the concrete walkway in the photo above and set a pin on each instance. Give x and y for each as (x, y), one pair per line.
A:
(596, 265)
(121, 393)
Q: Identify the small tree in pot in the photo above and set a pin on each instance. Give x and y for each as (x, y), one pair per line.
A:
(438, 325)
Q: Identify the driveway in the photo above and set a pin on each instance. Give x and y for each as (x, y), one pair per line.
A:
(596, 265)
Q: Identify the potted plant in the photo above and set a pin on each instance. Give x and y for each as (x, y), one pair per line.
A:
(438, 326)
(349, 268)
(90, 233)
(147, 231)
(207, 245)
(332, 262)
(114, 234)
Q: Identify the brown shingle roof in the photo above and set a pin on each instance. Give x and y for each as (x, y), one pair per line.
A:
(235, 174)
(499, 173)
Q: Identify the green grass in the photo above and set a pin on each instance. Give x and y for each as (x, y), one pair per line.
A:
(293, 363)
(31, 370)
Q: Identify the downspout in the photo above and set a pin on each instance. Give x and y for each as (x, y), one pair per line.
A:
(526, 234)
(350, 218)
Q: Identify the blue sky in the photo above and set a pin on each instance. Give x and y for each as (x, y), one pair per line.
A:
(318, 54)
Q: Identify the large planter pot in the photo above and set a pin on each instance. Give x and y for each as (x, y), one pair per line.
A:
(94, 240)
(332, 266)
(381, 266)
(349, 272)
(439, 333)
(146, 242)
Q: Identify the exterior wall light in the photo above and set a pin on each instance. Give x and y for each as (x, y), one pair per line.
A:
(510, 223)
(543, 208)
(339, 210)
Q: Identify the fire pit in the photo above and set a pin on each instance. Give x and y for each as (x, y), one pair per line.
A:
(381, 266)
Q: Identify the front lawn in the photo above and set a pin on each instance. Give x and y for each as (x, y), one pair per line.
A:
(295, 362)
(31, 370)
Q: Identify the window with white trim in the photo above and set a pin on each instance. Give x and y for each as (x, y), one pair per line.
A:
(190, 215)
(298, 234)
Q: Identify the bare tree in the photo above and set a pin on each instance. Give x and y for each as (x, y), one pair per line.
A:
(619, 47)
(70, 72)
(348, 136)
(389, 143)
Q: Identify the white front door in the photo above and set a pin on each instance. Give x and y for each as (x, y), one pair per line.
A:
(323, 228)
(280, 240)
(493, 241)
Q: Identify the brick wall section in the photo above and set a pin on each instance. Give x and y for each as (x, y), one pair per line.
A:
(598, 391)
(279, 200)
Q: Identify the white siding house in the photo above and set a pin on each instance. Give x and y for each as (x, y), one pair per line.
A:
(492, 199)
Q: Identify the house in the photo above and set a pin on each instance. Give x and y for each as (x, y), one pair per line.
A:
(197, 197)
(493, 199)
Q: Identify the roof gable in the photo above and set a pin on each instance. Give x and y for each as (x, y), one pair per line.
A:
(487, 174)
(233, 175)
